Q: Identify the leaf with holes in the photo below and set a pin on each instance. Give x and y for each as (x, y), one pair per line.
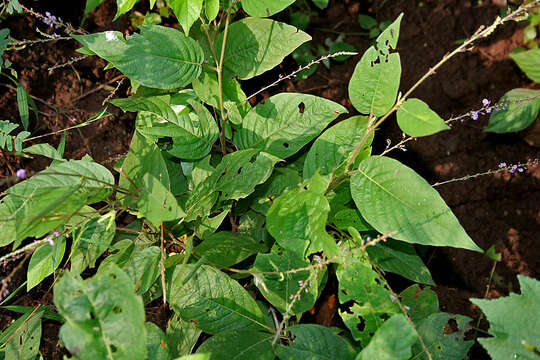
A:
(156, 203)
(442, 344)
(281, 287)
(239, 345)
(265, 8)
(335, 145)
(395, 200)
(225, 248)
(213, 301)
(256, 45)
(181, 336)
(518, 109)
(421, 302)
(372, 302)
(374, 84)
(513, 322)
(25, 341)
(392, 341)
(285, 123)
(297, 220)
(104, 316)
(400, 258)
(315, 342)
(156, 343)
(415, 118)
(158, 57)
(282, 179)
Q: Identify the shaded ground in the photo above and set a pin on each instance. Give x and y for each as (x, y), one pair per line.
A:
(500, 210)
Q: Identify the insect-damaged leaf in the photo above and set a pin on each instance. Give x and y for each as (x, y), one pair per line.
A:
(375, 82)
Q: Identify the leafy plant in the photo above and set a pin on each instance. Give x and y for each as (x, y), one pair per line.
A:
(304, 198)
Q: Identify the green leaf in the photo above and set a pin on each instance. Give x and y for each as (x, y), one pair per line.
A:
(281, 180)
(421, 302)
(256, 45)
(143, 268)
(44, 149)
(442, 344)
(529, 63)
(395, 200)
(208, 225)
(144, 157)
(91, 5)
(392, 341)
(265, 8)
(374, 84)
(214, 301)
(350, 217)
(335, 145)
(239, 345)
(315, 342)
(91, 240)
(400, 258)
(25, 342)
(104, 317)
(321, 4)
(366, 22)
(186, 11)
(415, 118)
(278, 288)
(22, 103)
(519, 109)
(297, 220)
(225, 248)
(285, 123)
(44, 261)
(158, 57)
(211, 9)
(513, 322)
(123, 7)
(156, 342)
(156, 203)
(181, 336)
(372, 301)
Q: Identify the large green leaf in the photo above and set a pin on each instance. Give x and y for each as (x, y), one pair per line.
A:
(156, 343)
(281, 180)
(392, 341)
(44, 261)
(335, 145)
(156, 203)
(239, 345)
(297, 220)
(513, 322)
(264, 8)
(421, 302)
(213, 301)
(519, 108)
(181, 336)
(529, 63)
(400, 258)
(143, 268)
(396, 200)
(375, 81)
(158, 57)
(285, 123)
(281, 287)
(372, 301)
(24, 343)
(256, 45)
(315, 342)
(415, 118)
(50, 198)
(91, 240)
(123, 7)
(144, 157)
(225, 248)
(104, 317)
(186, 11)
(441, 343)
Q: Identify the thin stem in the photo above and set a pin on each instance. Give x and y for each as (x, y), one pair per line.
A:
(220, 82)
(162, 266)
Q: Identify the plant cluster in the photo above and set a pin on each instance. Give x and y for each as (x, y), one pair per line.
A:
(236, 216)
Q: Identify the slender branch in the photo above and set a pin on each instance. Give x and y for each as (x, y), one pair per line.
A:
(220, 82)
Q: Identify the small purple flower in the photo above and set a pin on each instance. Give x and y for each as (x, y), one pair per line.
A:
(300, 283)
(310, 283)
(318, 259)
(501, 165)
(486, 102)
(520, 169)
(50, 240)
(307, 290)
(513, 169)
(50, 20)
(56, 233)
(474, 115)
(291, 297)
(21, 173)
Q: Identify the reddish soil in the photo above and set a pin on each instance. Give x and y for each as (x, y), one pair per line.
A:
(500, 210)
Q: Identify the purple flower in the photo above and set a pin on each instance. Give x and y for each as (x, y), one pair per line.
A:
(50, 240)
(300, 283)
(474, 115)
(486, 102)
(50, 20)
(501, 165)
(21, 173)
(513, 169)
(488, 110)
(318, 259)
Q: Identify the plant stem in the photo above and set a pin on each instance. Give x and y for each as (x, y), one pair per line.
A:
(220, 82)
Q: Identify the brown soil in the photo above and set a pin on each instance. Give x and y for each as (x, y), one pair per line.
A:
(500, 210)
